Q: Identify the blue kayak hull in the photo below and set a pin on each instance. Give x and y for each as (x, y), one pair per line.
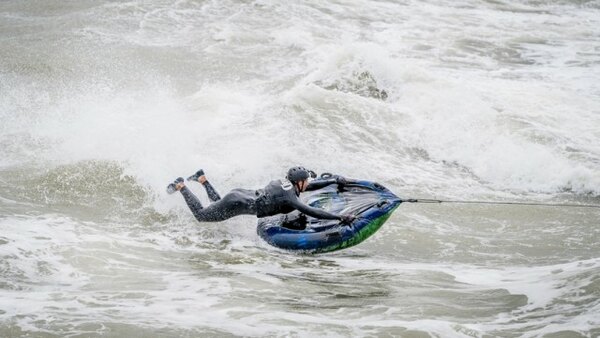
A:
(370, 201)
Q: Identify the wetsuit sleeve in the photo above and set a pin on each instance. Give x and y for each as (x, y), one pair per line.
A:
(313, 212)
(320, 184)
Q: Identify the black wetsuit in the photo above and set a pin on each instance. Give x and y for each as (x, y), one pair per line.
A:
(278, 197)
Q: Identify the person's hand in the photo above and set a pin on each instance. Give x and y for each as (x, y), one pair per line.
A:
(341, 181)
(348, 219)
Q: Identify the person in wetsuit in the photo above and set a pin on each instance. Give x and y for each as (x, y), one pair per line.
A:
(278, 197)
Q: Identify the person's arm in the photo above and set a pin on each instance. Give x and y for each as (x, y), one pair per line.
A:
(315, 185)
(313, 212)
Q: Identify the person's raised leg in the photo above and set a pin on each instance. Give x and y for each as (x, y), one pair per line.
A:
(212, 193)
(190, 199)
(237, 202)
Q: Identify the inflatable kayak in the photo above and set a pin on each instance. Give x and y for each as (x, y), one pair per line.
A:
(369, 201)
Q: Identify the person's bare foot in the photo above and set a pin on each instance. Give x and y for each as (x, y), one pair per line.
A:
(198, 176)
(176, 185)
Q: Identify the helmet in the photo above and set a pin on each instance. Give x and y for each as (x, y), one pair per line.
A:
(297, 174)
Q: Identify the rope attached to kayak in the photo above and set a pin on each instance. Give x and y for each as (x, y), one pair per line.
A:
(425, 200)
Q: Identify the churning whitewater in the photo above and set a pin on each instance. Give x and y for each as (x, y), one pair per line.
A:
(103, 103)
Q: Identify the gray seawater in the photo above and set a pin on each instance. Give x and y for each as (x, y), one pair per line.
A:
(102, 103)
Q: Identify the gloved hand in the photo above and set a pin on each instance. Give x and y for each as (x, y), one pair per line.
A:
(348, 219)
(341, 181)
